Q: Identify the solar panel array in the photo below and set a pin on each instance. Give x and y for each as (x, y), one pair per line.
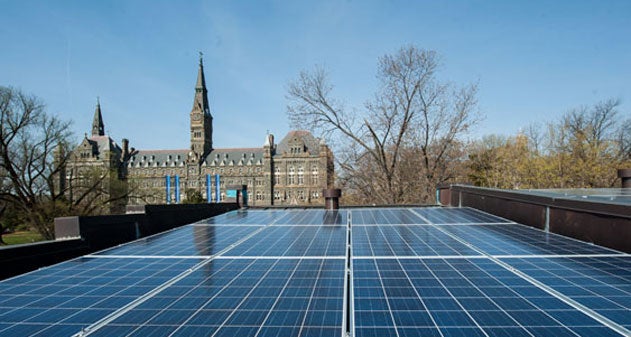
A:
(358, 272)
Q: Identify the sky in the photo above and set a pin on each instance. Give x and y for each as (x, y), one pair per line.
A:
(532, 60)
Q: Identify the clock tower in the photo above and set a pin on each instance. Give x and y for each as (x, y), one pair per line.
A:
(201, 119)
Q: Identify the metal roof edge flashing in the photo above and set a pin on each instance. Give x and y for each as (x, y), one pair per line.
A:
(580, 205)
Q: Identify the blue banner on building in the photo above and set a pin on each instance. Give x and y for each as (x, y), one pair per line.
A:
(168, 189)
(177, 189)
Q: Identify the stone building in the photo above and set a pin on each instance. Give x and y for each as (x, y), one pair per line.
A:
(292, 172)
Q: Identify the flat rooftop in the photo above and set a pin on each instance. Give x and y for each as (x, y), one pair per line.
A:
(353, 272)
(620, 196)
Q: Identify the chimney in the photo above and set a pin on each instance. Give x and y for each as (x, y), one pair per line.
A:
(125, 148)
(332, 198)
(625, 176)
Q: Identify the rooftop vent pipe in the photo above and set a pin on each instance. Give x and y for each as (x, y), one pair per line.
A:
(332, 198)
(625, 176)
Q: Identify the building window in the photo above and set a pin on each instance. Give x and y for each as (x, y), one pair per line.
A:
(301, 175)
(314, 175)
(277, 195)
(301, 195)
(291, 179)
(315, 195)
(259, 195)
(277, 175)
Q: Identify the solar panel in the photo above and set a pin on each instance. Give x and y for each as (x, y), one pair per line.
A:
(396, 240)
(297, 240)
(313, 217)
(385, 216)
(457, 297)
(245, 217)
(515, 239)
(600, 283)
(244, 297)
(62, 299)
(437, 215)
(202, 240)
(389, 272)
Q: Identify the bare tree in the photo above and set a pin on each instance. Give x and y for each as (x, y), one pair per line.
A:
(411, 110)
(624, 139)
(33, 157)
(28, 140)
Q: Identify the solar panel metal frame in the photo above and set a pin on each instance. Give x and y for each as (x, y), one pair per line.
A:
(450, 224)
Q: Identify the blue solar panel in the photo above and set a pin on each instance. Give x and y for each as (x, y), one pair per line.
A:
(244, 297)
(384, 240)
(514, 239)
(457, 297)
(313, 217)
(185, 241)
(294, 241)
(438, 215)
(245, 217)
(62, 299)
(600, 283)
(385, 216)
(407, 272)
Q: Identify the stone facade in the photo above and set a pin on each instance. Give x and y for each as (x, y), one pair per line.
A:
(292, 172)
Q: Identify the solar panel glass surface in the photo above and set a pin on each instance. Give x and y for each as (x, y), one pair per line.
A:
(436, 215)
(189, 240)
(515, 239)
(396, 240)
(245, 297)
(303, 240)
(463, 297)
(392, 272)
(62, 299)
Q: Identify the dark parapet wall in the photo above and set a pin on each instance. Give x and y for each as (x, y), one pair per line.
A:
(19, 259)
(602, 223)
(80, 235)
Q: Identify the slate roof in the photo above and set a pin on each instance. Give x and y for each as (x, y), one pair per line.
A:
(177, 158)
(312, 143)
(159, 158)
(234, 157)
(102, 144)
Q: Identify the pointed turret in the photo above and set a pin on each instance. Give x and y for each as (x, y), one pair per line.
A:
(201, 94)
(98, 129)
(201, 119)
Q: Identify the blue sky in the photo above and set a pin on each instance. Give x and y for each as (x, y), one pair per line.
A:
(533, 60)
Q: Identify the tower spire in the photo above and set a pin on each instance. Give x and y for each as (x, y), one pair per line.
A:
(201, 119)
(98, 129)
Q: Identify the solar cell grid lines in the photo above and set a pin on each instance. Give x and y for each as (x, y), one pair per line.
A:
(294, 241)
(313, 217)
(388, 240)
(189, 240)
(601, 283)
(389, 272)
(468, 297)
(457, 215)
(64, 298)
(385, 216)
(244, 297)
(515, 239)
(244, 217)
